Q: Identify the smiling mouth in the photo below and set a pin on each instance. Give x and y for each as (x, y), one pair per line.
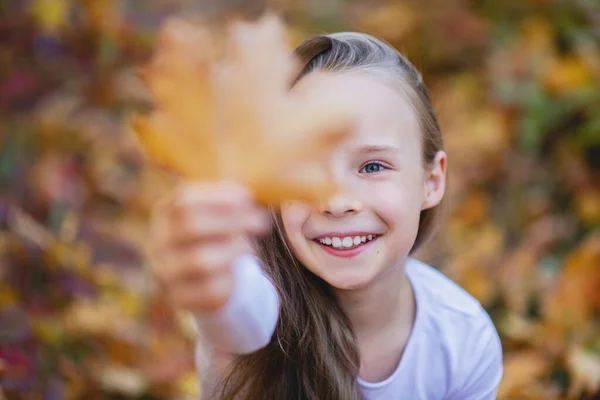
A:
(347, 242)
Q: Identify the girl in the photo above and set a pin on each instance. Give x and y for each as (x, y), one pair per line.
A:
(333, 307)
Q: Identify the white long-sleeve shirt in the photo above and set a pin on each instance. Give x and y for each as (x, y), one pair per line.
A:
(453, 352)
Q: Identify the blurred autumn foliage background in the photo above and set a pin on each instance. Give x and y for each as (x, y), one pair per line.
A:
(516, 87)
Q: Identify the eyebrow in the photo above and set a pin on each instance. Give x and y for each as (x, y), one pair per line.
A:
(377, 149)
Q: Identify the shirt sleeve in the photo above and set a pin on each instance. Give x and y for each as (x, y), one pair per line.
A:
(482, 368)
(248, 319)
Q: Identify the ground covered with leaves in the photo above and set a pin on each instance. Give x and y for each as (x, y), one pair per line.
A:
(516, 87)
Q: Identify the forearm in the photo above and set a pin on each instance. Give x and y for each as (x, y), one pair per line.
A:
(247, 321)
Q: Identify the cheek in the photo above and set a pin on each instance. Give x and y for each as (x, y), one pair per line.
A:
(397, 203)
(294, 215)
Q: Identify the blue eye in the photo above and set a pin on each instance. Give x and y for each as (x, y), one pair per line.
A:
(372, 168)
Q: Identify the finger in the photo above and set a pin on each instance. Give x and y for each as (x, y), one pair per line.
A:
(201, 262)
(191, 198)
(218, 195)
(214, 226)
(204, 296)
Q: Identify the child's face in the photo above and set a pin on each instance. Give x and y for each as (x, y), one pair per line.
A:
(370, 225)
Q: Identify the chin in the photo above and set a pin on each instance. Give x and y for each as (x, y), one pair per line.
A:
(343, 273)
(347, 279)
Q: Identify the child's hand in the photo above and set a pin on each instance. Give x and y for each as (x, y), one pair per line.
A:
(195, 236)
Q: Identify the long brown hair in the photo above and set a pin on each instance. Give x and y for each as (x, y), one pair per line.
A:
(312, 354)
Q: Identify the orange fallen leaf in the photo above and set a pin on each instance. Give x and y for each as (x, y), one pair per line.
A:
(587, 205)
(392, 21)
(520, 370)
(576, 298)
(104, 15)
(234, 117)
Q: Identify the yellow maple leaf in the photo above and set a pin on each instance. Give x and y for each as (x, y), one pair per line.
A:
(566, 74)
(189, 385)
(51, 15)
(235, 117)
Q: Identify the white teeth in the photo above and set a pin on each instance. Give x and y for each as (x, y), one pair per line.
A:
(346, 242)
(336, 242)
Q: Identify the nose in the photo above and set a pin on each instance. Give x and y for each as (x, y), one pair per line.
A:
(339, 205)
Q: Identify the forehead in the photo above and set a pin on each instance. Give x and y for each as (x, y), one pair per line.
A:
(383, 114)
